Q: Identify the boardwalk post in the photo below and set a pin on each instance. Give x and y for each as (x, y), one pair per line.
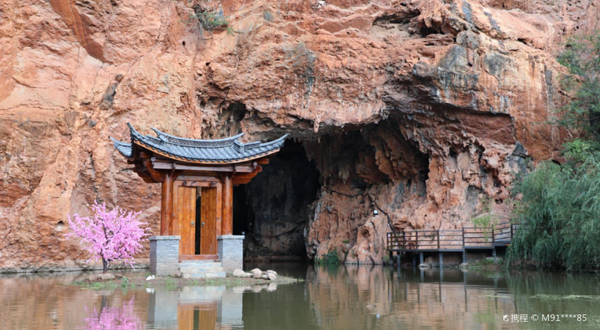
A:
(420, 258)
(493, 238)
(463, 236)
(438, 235)
(414, 260)
(441, 260)
(388, 243)
(417, 247)
(404, 240)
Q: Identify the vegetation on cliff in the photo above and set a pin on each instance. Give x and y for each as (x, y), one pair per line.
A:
(582, 57)
(559, 206)
(330, 258)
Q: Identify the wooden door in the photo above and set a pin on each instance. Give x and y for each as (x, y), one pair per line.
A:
(184, 206)
(208, 218)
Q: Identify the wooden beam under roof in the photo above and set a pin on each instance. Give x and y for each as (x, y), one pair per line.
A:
(158, 165)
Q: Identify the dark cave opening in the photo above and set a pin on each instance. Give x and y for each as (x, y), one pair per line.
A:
(274, 208)
(277, 209)
(240, 211)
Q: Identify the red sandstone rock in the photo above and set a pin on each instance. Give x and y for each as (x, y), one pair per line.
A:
(444, 88)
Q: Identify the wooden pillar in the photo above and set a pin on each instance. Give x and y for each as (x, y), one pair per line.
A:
(166, 205)
(227, 220)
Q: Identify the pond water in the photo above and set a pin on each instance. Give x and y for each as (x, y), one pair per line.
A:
(344, 297)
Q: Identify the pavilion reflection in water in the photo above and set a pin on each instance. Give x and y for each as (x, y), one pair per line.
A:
(199, 307)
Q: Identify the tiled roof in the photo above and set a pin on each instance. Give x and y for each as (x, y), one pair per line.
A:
(226, 150)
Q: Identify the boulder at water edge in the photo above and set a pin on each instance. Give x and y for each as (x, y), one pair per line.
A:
(241, 273)
(256, 273)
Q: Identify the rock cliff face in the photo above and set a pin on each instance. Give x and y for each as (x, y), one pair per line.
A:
(418, 108)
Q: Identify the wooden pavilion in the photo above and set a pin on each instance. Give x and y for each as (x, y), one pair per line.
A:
(197, 178)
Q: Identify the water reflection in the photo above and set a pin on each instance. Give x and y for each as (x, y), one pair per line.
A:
(377, 297)
(200, 307)
(47, 301)
(348, 297)
(113, 318)
(195, 308)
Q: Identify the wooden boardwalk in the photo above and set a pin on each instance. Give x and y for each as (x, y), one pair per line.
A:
(451, 240)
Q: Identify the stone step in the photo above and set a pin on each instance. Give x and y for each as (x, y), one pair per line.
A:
(208, 275)
(200, 267)
(200, 271)
(199, 262)
(216, 264)
(202, 264)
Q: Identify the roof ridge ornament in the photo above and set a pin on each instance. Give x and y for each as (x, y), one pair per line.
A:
(238, 146)
(194, 142)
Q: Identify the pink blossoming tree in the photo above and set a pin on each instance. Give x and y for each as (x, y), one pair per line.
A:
(109, 235)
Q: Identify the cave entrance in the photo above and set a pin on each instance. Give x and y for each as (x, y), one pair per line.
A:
(273, 210)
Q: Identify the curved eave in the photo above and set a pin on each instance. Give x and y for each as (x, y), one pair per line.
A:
(196, 161)
(124, 148)
(280, 141)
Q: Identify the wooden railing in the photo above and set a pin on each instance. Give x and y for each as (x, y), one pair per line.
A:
(452, 239)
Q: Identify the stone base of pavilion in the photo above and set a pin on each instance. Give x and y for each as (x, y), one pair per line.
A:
(164, 258)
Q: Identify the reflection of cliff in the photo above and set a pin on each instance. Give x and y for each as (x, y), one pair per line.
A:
(367, 298)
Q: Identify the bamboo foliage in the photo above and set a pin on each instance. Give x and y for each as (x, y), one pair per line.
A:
(560, 213)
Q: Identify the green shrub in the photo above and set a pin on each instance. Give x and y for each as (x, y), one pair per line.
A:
(109, 285)
(386, 260)
(209, 19)
(170, 283)
(124, 283)
(231, 31)
(331, 258)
